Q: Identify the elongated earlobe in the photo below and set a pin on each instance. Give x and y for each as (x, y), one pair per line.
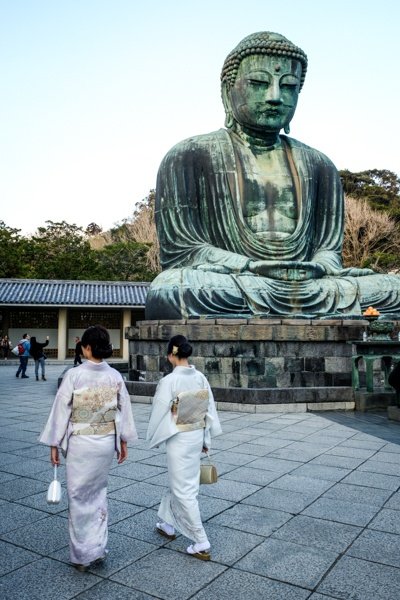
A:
(287, 129)
(229, 120)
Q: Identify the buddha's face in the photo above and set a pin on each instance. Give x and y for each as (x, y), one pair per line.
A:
(264, 95)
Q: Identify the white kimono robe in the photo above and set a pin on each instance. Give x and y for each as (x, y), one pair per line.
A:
(179, 506)
(91, 413)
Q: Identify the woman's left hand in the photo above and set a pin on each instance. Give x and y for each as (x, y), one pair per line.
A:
(54, 456)
(123, 454)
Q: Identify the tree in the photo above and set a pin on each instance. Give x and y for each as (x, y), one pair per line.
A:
(93, 229)
(381, 188)
(61, 251)
(124, 261)
(13, 250)
(371, 237)
(141, 228)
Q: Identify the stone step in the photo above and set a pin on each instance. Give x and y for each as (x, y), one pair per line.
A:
(264, 399)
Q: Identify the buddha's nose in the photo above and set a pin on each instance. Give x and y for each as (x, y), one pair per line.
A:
(273, 93)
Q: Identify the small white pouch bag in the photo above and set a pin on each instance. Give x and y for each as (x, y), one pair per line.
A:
(54, 491)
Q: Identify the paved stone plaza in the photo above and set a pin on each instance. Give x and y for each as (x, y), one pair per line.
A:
(307, 507)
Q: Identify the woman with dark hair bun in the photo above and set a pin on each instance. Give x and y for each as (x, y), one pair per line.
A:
(91, 418)
(98, 338)
(184, 417)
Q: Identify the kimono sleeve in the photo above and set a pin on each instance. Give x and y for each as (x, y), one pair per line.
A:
(213, 425)
(127, 429)
(56, 431)
(161, 425)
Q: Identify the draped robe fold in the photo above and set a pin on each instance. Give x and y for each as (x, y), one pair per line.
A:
(91, 413)
(206, 244)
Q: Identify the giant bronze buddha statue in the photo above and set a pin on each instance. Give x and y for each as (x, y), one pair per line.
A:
(250, 221)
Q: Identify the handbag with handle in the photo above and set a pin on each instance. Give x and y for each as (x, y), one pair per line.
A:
(54, 491)
(208, 471)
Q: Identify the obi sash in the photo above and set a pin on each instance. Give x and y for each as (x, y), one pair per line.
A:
(189, 409)
(94, 411)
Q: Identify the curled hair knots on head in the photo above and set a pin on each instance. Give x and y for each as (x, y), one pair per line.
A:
(262, 42)
(179, 346)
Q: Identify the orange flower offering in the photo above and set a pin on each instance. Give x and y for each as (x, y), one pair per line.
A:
(371, 312)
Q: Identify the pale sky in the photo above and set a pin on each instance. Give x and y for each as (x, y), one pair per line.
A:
(95, 92)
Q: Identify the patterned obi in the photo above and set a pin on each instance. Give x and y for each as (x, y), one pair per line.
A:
(94, 411)
(189, 410)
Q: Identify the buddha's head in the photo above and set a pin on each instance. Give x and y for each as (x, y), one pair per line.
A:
(261, 80)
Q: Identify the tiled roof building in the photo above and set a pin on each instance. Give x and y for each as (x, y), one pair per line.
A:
(42, 292)
(64, 309)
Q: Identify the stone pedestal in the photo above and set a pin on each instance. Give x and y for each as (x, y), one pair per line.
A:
(365, 401)
(255, 362)
(394, 413)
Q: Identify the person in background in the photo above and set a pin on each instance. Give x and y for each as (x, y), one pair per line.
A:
(179, 508)
(91, 418)
(5, 346)
(78, 351)
(36, 351)
(24, 357)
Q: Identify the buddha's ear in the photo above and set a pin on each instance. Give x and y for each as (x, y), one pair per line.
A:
(229, 118)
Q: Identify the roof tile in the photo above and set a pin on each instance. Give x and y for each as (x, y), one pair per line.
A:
(72, 293)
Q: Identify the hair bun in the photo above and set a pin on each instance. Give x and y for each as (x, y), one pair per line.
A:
(102, 351)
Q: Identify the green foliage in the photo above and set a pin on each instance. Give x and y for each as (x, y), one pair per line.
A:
(13, 251)
(124, 261)
(381, 188)
(61, 251)
(381, 262)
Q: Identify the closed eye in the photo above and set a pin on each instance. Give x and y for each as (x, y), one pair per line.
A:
(258, 82)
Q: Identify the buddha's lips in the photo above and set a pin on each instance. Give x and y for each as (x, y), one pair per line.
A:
(273, 112)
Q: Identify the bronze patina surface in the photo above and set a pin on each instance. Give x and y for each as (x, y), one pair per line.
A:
(250, 221)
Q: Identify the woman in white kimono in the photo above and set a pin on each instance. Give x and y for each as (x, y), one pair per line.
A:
(91, 418)
(179, 508)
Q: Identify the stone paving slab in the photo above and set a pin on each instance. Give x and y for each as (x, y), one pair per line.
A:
(14, 516)
(12, 557)
(124, 550)
(43, 580)
(386, 520)
(160, 574)
(229, 545)
(341, 512)
(299, 565)
(318, 533)
(307, 507)
(252, 519)
(354, 578)
(278, 499)
(377, 546)
(236, 585)
(354, 494)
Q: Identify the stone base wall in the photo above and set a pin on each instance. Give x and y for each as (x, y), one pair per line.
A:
(251, 353)
(253, 364)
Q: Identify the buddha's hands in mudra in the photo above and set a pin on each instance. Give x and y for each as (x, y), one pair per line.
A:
(289, 270)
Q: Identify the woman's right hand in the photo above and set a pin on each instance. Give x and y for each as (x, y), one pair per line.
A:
(54, 456)
(205, 450)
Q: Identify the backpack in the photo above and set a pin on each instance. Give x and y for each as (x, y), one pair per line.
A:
(18, 350)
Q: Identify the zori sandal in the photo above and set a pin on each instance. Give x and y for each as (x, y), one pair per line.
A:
(81, 568)
(161, 528)
(196, 552)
